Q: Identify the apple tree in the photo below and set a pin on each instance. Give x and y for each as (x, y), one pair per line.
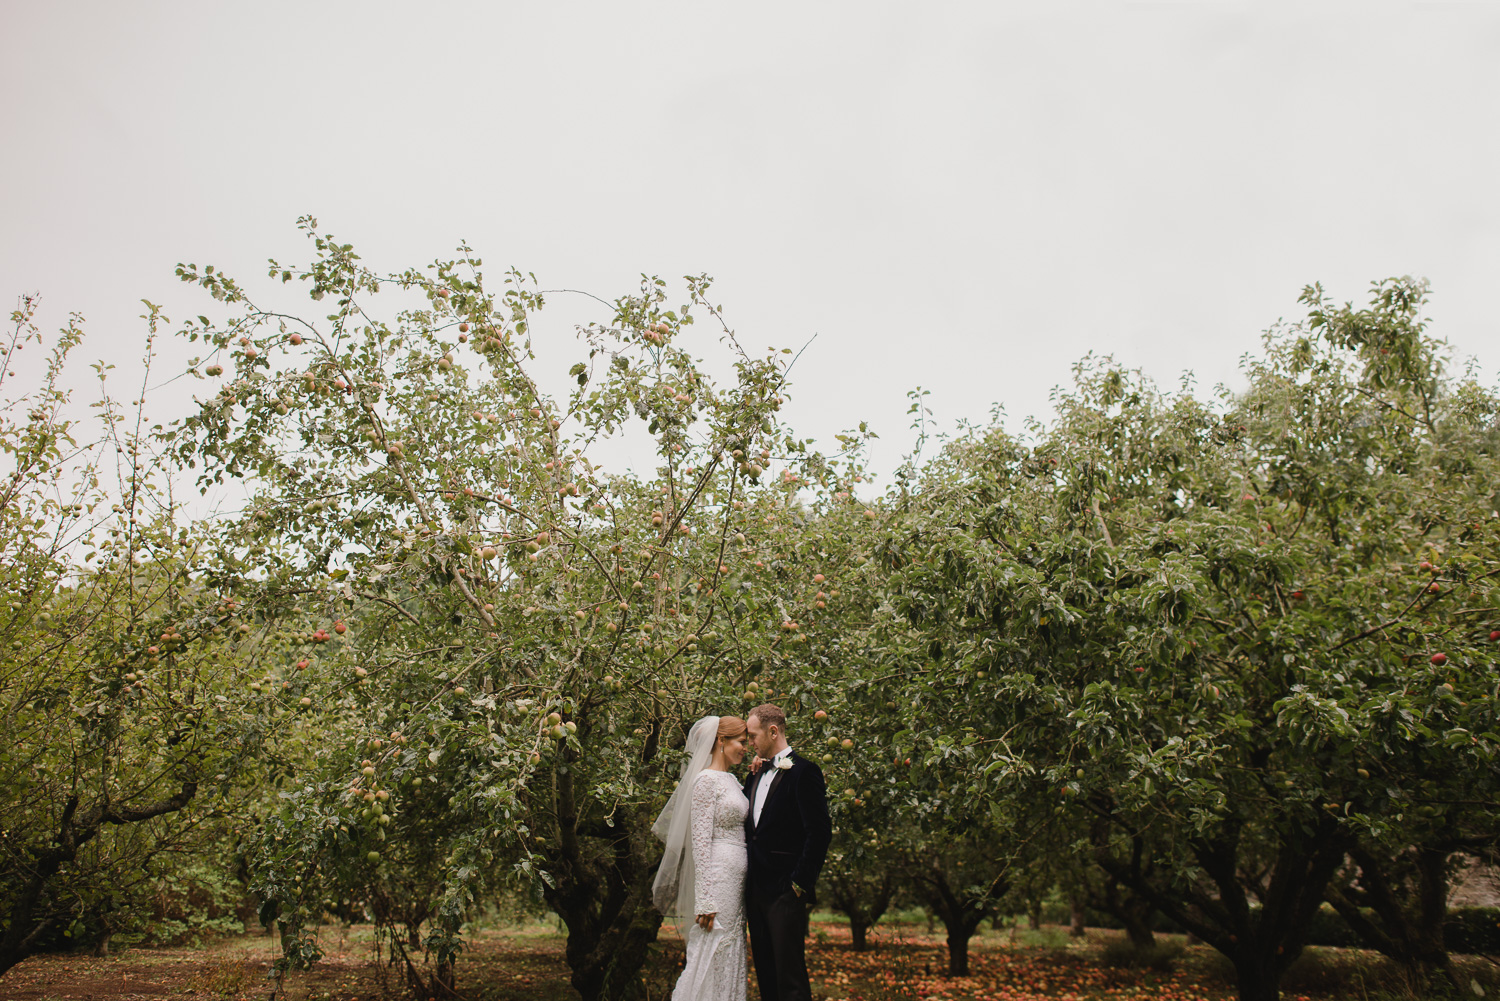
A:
(1247, 634)
(514, 639)
(130, 742)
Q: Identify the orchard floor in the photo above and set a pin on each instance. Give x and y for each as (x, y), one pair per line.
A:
(526, 962)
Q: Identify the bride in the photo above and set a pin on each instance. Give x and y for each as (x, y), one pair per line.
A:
(701, 882)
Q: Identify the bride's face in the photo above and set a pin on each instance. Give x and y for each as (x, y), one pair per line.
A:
(735, 749)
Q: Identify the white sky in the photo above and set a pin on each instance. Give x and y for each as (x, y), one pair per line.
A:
(965, 196)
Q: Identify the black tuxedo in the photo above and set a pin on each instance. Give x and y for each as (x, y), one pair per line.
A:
(787, 846)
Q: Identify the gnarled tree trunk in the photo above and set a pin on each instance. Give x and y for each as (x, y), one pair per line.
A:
(864, 903)
(960, 912)
(1261, 942)
(602, 875)
(1407, 898)
(23, 925)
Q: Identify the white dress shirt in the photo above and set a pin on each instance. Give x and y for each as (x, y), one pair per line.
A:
(763, 787)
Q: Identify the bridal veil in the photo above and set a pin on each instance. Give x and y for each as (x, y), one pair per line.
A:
(672, 892)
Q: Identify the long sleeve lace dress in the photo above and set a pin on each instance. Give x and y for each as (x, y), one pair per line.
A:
(716, 961)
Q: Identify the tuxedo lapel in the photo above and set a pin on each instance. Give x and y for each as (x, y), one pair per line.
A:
(775, 781)
(760, 777)
(771, 791)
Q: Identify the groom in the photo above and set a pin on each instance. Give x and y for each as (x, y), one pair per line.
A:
(787, 833)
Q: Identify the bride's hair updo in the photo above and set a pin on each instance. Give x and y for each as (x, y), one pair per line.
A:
(731, 727)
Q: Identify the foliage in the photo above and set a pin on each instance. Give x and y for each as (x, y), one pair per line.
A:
(1204, 662)
(1214, 624)
(124, 756)
(513, 640)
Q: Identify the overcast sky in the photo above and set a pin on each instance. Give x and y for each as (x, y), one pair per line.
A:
(962, 196)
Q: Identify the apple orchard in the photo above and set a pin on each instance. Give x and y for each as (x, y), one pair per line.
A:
(1216, 662)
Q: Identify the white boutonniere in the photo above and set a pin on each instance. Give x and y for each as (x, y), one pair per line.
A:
(782, 763)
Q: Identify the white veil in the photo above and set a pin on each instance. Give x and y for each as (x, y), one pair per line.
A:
(672, 893)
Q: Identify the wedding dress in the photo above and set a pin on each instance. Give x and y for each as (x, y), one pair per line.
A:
(716, 961)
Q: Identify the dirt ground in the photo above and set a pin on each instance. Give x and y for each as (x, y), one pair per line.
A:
(526, 962)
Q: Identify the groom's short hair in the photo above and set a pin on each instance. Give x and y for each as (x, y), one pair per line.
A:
(770, 715)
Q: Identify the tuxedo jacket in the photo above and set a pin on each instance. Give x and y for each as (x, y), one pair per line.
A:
(791, 841)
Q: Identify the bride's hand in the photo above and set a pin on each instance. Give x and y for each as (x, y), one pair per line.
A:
(706, 921)
(755, 765)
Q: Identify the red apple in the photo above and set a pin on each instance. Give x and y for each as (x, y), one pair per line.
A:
(1439, 659)
(1495, 635)
(340, 628)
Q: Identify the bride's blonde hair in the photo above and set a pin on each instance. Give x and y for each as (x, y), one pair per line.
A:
(731, 727)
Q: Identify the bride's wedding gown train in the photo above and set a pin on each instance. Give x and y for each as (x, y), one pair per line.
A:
(716, 962)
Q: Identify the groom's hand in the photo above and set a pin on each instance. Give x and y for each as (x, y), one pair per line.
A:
(756, 765)
(706, 921)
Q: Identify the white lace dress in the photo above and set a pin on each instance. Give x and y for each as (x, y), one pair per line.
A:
(716, 960)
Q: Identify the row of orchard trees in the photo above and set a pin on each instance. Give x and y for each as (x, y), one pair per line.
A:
(126, 738)
(1223, 660)
(440, 651)
(515, 640)
(1236, 656)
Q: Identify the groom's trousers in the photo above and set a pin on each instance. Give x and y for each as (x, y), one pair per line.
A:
(778, 934)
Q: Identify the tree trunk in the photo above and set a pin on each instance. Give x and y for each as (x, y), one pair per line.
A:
(1034, 917)
(1131, 909)
(1261, 944)
(960, 913)
(23, 926)
(1256, 979)
(441, 985)
(606, 958)
(1077, 928)
(443, 980)
(958, 952)
(861, 901)
(857, 931)
(1407, 921)
(602, 892)
(1138, 929)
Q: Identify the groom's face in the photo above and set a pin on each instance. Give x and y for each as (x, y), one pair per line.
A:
(763, 738)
